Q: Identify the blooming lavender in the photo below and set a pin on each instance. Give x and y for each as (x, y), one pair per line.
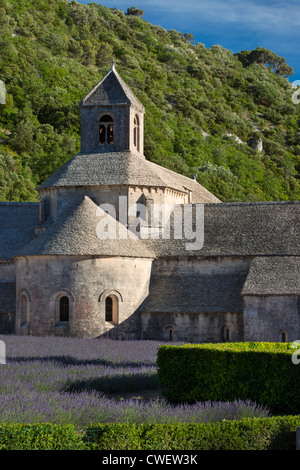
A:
(70, 380)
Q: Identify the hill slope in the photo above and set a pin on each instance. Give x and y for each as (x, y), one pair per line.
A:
(228, 118)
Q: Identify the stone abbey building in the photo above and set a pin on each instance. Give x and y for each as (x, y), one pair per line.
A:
(95, 258)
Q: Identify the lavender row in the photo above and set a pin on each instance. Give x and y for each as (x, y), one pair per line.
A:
(82, 409)
(82, 350)
(66, 380)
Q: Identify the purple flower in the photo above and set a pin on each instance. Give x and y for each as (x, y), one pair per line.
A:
(67, 381)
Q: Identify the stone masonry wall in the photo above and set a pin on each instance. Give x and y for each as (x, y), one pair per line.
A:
(266, 317)
(7, 296)
(200, 304)
(196, 328)
(87, 282)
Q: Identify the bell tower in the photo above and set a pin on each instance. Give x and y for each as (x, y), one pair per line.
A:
(112, 118)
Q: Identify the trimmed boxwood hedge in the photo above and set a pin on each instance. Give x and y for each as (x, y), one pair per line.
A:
(15, 436)
(277, 433)
(260, 372)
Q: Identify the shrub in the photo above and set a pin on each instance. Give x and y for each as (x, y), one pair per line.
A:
(277, 433)
(260, 372)
(113, 436)
(39, 437)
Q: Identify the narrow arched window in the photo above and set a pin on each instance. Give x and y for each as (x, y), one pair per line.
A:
(108, 309)
(169, 333)
(106, 130)
(225, 333)
(64, 308)
(136, 132)
(283, 336)
(24, 309)
(112, 309)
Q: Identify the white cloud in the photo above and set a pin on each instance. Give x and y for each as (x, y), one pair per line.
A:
(261, 14)
(254, 14)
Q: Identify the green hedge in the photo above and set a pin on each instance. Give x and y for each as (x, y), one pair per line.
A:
(39, 437)
(277, 433)
(260, 372)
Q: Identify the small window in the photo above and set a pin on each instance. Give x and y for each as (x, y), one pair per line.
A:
(106, 130)
(24, 309)
(136, 132)
(108, 309)
(169, 333)
(225, 334)
(283, 336)
(64, 309)
(112, 309)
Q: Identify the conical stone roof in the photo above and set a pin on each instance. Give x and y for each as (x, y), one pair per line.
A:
(80, 230)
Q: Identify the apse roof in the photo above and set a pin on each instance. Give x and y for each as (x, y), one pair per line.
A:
(76, 232)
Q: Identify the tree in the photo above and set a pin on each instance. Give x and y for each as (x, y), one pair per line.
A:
(189, 37)
(15, 181)
(266, 57)
(135, 12)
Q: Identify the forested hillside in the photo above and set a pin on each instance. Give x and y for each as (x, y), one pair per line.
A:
(228, 118)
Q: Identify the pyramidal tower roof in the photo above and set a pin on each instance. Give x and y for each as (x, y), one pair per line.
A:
(111, 90)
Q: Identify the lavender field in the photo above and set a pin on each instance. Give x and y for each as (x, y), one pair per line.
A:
(83, 381)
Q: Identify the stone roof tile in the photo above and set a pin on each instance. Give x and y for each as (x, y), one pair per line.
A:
(123, 168)
(218, 292)
(75, 233)
(7, 296)
(111, 90)
(17, 222)
(273, 275)
(237, 229)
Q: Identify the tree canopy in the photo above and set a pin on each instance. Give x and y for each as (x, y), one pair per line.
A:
(135, 12)
(204, 106)
(268, 58)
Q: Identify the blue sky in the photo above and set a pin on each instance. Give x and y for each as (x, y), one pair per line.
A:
(234, 24)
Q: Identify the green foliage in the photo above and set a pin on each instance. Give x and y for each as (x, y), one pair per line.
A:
(264, 56)
(276, 433)
(113, 436)
(39, 437)
(135, 12)
(15, 180)
(261, 372)
(53, 52)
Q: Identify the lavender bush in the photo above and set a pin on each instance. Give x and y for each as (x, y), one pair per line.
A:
(67, 380)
